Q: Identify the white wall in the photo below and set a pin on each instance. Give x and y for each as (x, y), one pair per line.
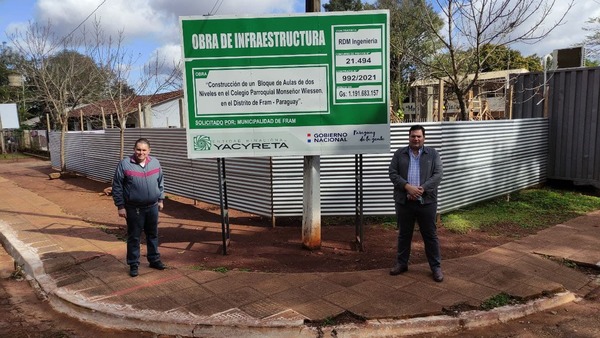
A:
(164, 115)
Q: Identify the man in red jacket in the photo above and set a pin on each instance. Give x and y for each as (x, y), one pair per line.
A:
(138, 193)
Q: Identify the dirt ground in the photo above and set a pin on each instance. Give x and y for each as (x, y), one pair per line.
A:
(23, 314)
(190, 233)
(190, 238)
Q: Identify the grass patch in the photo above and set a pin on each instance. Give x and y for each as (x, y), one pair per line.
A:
(328, 321)
(528, 209)
(385, 222)
(12, 156)
(220, 269)
(499, 300)
(19, 273)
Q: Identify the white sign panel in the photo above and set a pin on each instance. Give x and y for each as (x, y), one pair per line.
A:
(9, 116)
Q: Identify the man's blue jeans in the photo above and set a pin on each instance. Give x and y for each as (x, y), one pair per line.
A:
(425, 215)
(138, 220)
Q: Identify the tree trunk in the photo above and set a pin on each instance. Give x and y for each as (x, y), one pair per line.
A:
(63, 133)
(463, 107)
(122, 138)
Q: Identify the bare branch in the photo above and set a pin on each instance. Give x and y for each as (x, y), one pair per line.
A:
(471, 25)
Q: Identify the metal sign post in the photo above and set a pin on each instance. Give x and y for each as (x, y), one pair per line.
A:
(224, 205)
(358, 190)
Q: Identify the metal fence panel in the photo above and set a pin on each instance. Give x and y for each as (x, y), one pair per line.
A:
(96, 154)
(487, 159)
(482, 159)
(573, 109)
(527, 95)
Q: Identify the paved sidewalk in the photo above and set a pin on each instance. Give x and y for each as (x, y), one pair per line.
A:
(82, 272)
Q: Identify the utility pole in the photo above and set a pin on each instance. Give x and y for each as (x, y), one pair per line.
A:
(311, 211)
(313, 6)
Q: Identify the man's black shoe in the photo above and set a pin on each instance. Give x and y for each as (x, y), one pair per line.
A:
(133, 270)
(438, 276)
(158, 265)
(398, 269)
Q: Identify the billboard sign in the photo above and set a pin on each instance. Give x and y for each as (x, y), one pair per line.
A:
(306, 84)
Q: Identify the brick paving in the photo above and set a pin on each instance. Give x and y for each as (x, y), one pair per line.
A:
(83, 269)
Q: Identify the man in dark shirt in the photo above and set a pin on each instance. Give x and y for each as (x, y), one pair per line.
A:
(416, 172)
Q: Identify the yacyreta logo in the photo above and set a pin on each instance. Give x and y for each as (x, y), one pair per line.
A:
(202, 142)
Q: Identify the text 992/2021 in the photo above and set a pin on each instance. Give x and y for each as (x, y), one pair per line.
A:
(359, 77)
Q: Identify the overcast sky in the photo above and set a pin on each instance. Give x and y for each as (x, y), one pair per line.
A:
(152, 25)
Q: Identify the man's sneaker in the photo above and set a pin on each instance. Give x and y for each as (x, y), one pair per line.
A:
(438, 276)
(398, 269)
(158, 265)
(133, 270)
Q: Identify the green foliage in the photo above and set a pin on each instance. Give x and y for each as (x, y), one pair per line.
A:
(220, 269)
(592, 41)
(328, 321)
(498, 300)
(528, 209)
(343, 5)
(592, 63)
(8, 64)
(13, 156)
(79, 88)
(502, 58)
(569, 263)
(410, 40)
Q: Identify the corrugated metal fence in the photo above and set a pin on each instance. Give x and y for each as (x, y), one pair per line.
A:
(574, 114)
(482, 159)
(575, 119)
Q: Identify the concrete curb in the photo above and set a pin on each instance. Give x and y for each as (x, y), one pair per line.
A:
(444, 323)
(28, 260)
(117, 316)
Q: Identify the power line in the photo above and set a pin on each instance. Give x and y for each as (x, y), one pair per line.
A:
(86, 19)
(82, 22)
(215, 7)
(216, 10)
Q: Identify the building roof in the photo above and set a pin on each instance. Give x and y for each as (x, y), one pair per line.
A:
(131, 104)
(499, 74)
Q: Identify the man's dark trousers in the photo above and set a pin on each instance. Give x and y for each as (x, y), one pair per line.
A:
(425, 215)
(138, 219)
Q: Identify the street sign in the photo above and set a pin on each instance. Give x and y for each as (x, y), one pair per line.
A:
(305, 84)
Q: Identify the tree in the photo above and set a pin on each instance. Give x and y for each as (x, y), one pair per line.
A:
(5, 66)
(343, 5)
(472, 25)
(592, 63)
(504, 58)
(60, 74)
(410, 41)
(592, 41)
(8, 66)
(117, 64)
